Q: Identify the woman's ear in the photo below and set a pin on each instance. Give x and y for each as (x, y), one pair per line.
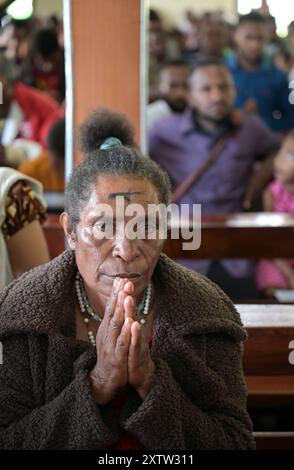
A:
(68, 231)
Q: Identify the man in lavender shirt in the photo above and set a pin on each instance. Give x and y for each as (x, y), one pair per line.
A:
(181, 143)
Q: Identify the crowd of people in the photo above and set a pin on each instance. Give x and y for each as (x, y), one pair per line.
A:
(32, 75)
(32, 145)
(214, 85)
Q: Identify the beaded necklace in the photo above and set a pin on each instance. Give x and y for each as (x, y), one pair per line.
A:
(88, 311)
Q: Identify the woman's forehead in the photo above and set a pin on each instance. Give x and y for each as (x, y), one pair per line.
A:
(132, 190)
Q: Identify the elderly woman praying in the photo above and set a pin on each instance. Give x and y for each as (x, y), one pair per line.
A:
(112, 345)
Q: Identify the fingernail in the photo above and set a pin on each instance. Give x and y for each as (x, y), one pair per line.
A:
(129, 286)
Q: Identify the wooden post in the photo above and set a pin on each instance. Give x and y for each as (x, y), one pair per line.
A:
(106, 57)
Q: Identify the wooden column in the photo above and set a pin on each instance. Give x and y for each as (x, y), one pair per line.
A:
(106, 57)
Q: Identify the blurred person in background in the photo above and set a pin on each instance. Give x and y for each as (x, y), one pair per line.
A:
(285, 61)
(55, 23)
(261, 87)
(49, 72)
(290, 37)
(48, 168)
(210, 130)
(172, 90)
(212, 40)
(274, 44)
(279, 197)
(157, 51)
(16, 39)
(290, 48)
(26, 113)
(191, 36)
(22, 210)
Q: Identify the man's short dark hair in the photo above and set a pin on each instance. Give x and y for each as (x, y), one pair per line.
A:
(252, 17)
(153, 15)
(203, 62)
(270, 19)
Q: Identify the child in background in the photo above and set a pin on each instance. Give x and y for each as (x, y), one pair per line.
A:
(279, 197)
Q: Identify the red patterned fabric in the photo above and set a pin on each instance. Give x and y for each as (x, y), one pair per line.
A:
(22, 207)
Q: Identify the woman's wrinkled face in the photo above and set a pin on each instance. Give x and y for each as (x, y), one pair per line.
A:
(104, 245)
(284, 162)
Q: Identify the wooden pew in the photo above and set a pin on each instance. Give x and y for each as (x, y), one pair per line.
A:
(274, 440)
(245, 235)
(222, 236)
(269, 374)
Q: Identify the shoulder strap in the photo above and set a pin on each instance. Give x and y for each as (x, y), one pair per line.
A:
(194, 177)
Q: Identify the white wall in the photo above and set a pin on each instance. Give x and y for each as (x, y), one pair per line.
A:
(173, 10)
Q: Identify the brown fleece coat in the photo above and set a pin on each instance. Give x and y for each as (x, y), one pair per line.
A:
(198, 398)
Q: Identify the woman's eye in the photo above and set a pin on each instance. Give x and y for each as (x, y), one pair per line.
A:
(147, 228)
(101, 229)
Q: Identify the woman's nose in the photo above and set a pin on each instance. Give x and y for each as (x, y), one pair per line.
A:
(126, 249)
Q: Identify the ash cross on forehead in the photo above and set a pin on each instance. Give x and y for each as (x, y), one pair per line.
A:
(126, 195)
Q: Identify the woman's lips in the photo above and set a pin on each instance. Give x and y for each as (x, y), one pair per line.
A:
(123, 275)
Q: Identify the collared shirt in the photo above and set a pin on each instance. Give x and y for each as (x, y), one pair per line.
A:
(269, 87)
(180, 146)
